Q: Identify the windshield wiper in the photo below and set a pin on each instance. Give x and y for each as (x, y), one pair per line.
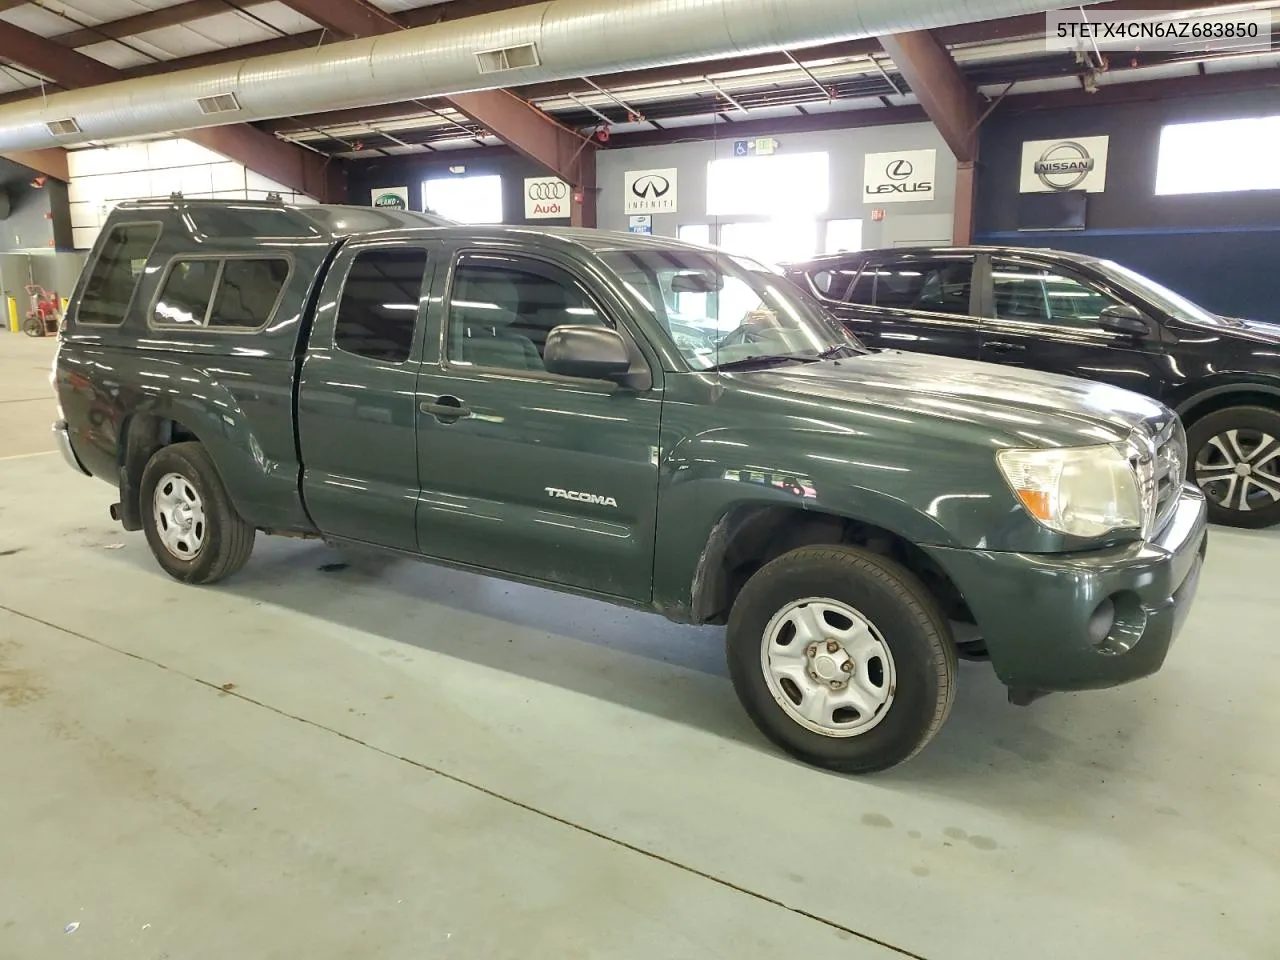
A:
(762, 360)
(834, 353)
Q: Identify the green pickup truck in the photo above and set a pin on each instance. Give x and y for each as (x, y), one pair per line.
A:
(638, 420)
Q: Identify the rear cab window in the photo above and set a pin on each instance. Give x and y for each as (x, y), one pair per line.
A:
(115, 274)
(381, 298)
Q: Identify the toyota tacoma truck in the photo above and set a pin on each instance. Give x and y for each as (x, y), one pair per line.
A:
(637, 420)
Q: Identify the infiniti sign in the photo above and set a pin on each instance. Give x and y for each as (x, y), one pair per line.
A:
(649, 191)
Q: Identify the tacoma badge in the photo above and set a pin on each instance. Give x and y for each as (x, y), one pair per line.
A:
(581, 497)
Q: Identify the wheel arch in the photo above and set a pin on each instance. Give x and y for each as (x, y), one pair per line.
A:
(141, 434)
(1224, 396)
(747, 536)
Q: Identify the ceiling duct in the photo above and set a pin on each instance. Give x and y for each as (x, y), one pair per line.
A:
(557, 40)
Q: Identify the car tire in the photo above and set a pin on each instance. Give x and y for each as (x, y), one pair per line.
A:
(878, 634)
(1234, 458)
(193, 529)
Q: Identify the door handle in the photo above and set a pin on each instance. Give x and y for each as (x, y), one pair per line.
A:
(445, 409)
(1001, 346)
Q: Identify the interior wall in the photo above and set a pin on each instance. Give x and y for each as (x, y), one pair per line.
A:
(926, 221)
(410, 171)
(104, 176)
(1217, 249)
(31, 223)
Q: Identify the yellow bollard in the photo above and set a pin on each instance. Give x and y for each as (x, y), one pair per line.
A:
(13, 315)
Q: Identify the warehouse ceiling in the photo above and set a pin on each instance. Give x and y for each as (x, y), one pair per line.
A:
(849, 84)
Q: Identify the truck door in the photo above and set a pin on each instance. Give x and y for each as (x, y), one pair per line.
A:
(357, 406)
(524, 472)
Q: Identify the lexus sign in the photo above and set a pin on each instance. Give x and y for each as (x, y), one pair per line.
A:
(1073, 163)
(649, 191)
(899, 177)
(546, 198)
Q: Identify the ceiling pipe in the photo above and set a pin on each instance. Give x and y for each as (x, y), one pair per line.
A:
(550, 41)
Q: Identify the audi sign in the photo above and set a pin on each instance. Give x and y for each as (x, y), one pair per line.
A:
(546, 198)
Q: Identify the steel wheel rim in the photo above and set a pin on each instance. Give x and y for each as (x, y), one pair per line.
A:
(828, 667)
(179, 516)
(1240, 470)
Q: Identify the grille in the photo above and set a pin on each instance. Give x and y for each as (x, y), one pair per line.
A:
(1171, 470)
(1160, 459)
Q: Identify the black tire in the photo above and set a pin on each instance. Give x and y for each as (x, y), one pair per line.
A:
(33, 327)
(227, 541)
(1209, 460)
(898, 607)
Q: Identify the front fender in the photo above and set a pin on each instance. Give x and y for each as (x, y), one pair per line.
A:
(945, 497)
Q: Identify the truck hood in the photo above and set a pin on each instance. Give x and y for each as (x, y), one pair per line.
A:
(1026, 407)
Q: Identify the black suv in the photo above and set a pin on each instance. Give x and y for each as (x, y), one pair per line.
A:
(1078, 315)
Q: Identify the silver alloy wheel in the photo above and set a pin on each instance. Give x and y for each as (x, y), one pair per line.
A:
(179, 515)
(828, 667)
(1240, 470)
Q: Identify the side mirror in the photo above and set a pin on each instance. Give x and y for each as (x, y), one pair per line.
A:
(590, 352)
(1122, 318)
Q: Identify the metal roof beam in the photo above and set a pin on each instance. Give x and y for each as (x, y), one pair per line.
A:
(945, 93)
(517, 122)
(173, 16)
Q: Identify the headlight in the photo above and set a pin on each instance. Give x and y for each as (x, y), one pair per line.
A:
(1081, 491)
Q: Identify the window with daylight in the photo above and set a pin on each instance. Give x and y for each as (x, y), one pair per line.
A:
(771, 242)
(785, 185)
(475, 199)
(1219, 156)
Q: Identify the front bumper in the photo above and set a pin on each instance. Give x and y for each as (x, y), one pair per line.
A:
(1084, 620)
(63, 437)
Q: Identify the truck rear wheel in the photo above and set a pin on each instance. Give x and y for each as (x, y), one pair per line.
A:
(191, 525)
(841, 658)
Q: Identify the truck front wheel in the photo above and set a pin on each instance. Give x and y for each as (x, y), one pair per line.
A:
(191, 525)
(842, 658)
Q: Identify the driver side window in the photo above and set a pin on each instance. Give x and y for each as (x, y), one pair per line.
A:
(502, 308)
(1042, 295)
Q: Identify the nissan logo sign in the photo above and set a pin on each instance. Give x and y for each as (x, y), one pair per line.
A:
(651, 187)
(1064, 165)
(899, 170)
(548, 190)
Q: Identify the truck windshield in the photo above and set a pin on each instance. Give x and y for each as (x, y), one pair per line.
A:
(724, 311)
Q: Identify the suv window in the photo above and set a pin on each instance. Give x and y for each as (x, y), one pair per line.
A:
(501, 309)
(379, 306)
(934, 286)
(1042, 295)
(115, 274)
(247, 291)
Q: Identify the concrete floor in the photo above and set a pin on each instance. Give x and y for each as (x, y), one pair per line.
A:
(409, 762)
